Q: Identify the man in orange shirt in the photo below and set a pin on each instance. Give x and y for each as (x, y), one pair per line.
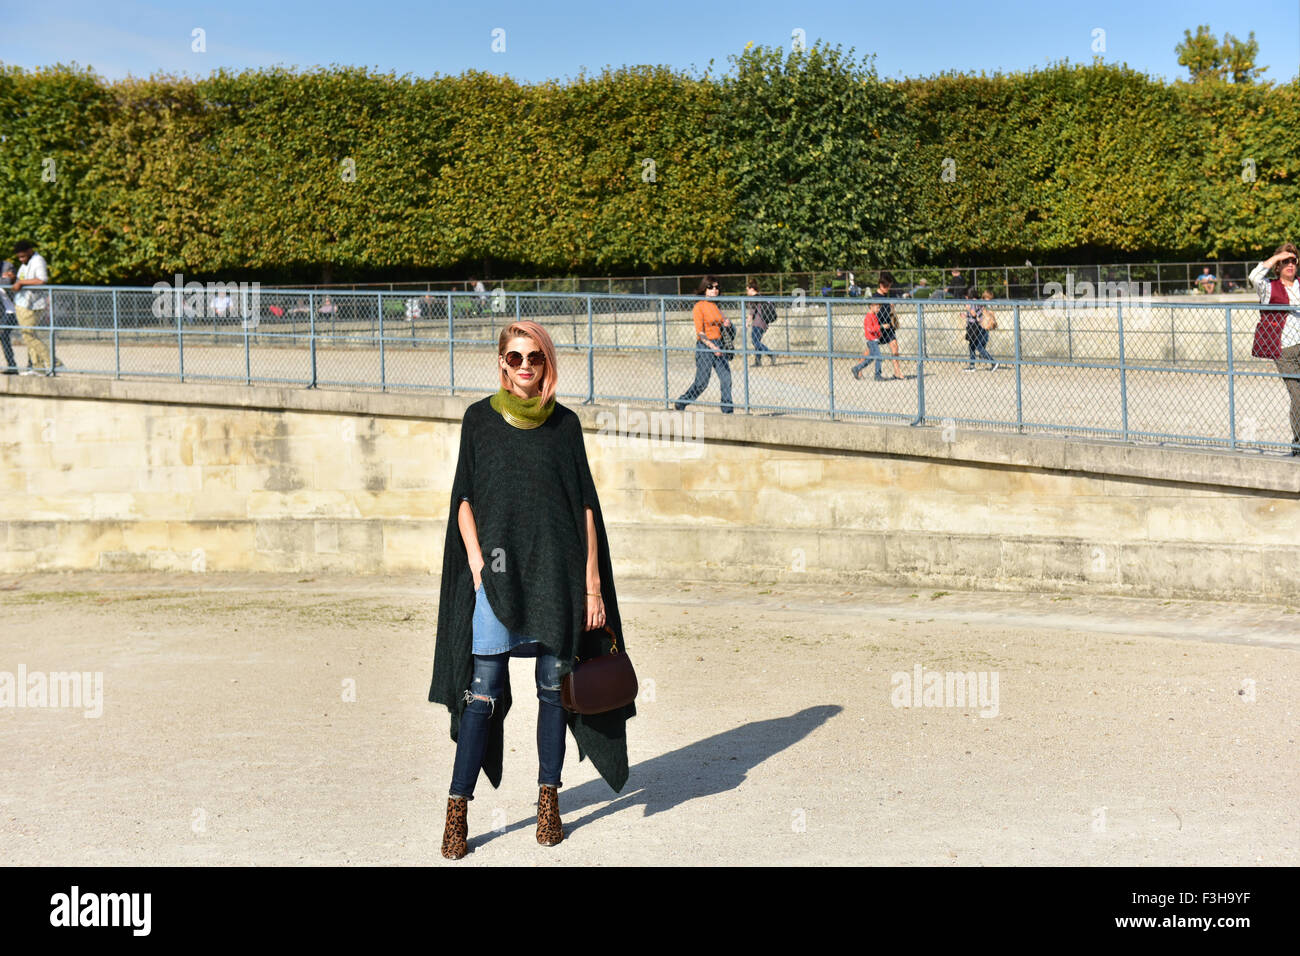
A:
(709, 321)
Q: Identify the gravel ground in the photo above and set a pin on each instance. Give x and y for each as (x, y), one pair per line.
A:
(1123, 732)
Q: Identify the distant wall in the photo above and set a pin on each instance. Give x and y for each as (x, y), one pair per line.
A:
(120, 475)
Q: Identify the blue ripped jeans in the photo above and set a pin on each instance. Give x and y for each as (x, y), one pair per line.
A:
(485, 689)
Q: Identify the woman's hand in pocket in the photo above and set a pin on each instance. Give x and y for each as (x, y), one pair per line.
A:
(477, 574)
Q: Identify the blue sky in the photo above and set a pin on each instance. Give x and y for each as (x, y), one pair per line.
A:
(556, 40)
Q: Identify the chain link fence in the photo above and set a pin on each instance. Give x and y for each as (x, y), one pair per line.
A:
(1012, 282)
(1131, 370)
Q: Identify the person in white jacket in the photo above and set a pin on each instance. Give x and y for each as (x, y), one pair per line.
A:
(31, 306)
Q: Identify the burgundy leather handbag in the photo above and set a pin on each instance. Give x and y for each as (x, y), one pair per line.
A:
(599, 684)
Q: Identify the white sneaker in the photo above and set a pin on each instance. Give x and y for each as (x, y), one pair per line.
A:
(28, 371)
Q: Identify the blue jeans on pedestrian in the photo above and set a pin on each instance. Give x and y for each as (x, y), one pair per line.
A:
(705, 363)
(976, 338)
(6, 330)
(873, 347)
(756, 335)
(485, 689)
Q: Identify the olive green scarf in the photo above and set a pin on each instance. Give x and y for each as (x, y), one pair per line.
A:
(522, 412)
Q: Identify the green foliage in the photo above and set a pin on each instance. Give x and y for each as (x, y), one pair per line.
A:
(1243, 175)
(1047, 162)
(50, 123)
(804, 160)
(1206, 59)
(815, 144)
(604, 172)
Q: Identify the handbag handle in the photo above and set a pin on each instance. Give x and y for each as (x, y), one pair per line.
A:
(613, 642)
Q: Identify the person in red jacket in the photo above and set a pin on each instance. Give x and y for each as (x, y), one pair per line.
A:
(871, 330)
(884, 313)
(1278, 334)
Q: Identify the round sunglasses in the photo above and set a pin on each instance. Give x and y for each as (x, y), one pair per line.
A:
(535, 359)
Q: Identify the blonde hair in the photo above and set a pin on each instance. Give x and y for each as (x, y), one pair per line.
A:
(531, 330)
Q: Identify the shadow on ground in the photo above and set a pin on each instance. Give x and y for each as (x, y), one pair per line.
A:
(709, 766)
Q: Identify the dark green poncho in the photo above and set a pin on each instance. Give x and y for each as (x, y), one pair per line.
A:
(529, 489)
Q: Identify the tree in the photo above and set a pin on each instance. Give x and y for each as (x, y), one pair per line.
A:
(1239, 58)
(1207, 59)
(1200, 54)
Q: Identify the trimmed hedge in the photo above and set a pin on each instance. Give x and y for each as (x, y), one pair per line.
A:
(804, 160)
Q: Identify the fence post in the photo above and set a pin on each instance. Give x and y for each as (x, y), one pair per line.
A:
(1020, 404)
(920, 364)
(311, 340)
(789, 313)
(1069, 331)
(117, 351)
(1123, 371)
(180, 340)
(591, 358)
(49, 321)
(663, 338)
(830, 358)
(1173, 339)
(451, 346)
(1232, 393)
(744, 351)
(383, 379)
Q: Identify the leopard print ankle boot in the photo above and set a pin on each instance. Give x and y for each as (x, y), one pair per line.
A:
(454, 846)
(549, 830)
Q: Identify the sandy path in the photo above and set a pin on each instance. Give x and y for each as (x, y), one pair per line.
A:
(1127, 731)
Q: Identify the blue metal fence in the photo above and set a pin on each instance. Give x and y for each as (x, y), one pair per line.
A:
(1132, 369)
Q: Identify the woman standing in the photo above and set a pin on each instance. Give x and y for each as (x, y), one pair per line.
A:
(709, 321)
(1278, 334)
(526, 571)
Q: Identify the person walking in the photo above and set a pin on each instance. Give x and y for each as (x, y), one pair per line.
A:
(761, 316)
(884, 313)
(526, 573)
(709, 322)
(871, 331)
(31, 307)
(977, 336)
(7, 316)
(1278, 334)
